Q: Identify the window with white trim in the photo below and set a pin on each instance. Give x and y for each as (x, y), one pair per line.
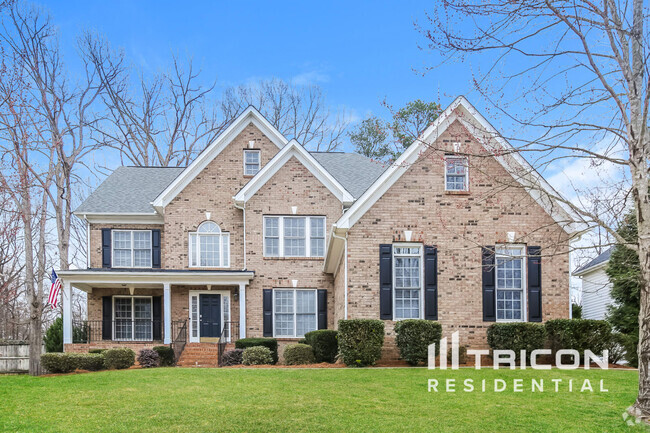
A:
(294, 236)
(132, 318)
(407, 281)
(510, 284)
(209, 247)
(131, 248)
(456, 173)
(252, 162)
(294, 312)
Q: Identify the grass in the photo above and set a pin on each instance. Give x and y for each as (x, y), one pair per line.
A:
(328, 400)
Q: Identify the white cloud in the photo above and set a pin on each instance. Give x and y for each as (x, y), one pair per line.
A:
(310, 78)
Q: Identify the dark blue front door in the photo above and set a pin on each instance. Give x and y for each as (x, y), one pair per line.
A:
(210, 311)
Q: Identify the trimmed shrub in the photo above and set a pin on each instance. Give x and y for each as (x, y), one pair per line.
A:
(325, 344)
(257, 355)
(97, 351)
(414, 337)
(166, 355)
(270, 343)
(232, 357)
(360, 341)
(579, 334)
(298, 354)
(119, 358)
(87, 361)
(516, 336)
(53, 337)
(148, 358)
(57, 362)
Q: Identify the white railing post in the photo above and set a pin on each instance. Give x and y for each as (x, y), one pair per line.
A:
(67, 312)
(167, 313)
(242, 310)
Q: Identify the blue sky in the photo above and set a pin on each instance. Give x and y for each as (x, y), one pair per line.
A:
(360, 53)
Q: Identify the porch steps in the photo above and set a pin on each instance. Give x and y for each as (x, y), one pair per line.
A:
(201, 355)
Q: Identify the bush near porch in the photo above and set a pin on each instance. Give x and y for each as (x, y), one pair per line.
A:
(360, 341)
(414, 337)
(270, 343)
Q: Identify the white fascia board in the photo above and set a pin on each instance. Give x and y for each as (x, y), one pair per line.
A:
(120, 218)
(250, 115)
(557, 210)
(293, 149)
(591, 269)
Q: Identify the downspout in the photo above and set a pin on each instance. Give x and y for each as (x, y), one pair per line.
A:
(243, 209)
(345, 270)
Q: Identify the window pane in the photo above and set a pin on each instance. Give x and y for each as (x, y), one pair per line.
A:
(251, 162)
(271, 236)
(225, 245)
(123, 324)
(284, 313)
(294, 237)
(142, 258)
(122, 240)
(317, 226)
(509, 305)
(142, 240)
(407, 272)
(456, 174)
(142, 319)
(195, 316)
(193, 252)
(209, 250)
(407, 304)
(122, 258)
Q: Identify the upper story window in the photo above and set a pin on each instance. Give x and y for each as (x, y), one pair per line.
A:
(131, 248)
(456, 173)
(209, 247)
(252, 162)
(407, 275)
(294, 236)
(510, 283)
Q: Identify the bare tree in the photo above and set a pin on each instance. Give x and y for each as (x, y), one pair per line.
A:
(572, 76)
(296, 111)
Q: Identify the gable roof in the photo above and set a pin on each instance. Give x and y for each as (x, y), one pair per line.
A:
(355, 172)
(507, 156)
(291, 150)
(250, 115)
(601, 260)
(118, 195)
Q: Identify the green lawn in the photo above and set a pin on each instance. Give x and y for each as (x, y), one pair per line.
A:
(336, 400)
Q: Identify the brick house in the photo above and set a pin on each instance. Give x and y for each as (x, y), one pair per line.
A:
(259, 237)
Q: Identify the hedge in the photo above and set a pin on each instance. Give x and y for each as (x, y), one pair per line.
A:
(119, 358)
(298, 354)
(57, 362)
(166, 355)
(325, 344)
(257, 355)
(232, 357)
(414, 337)
(360, 341)
(516, 336)
(579, 334)
(270, 343)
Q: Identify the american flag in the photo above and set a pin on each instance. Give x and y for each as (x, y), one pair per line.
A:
(53, 299)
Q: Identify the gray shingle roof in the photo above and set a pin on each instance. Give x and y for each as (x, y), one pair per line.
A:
(597, 261)
(129, 190)
(355, 172)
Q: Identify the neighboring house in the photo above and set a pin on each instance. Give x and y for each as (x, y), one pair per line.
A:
(596, 287)
(260, 238)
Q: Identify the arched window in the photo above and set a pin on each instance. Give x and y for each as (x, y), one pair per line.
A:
(209, 246)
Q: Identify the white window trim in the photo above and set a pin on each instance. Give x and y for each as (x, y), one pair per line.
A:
(295, 315)
(408, 245)
(307, 219)
(132, 249)
(196, 293)
(259, 160)
(447, 157)
(198, 265)
(132, 317)
(524, 282)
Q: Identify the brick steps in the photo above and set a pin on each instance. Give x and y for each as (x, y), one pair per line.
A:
(201, 355)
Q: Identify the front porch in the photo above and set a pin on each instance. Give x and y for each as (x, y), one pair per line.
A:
(138, 308)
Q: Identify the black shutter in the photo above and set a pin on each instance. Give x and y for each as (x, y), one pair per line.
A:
(534, 284)
(489, 293)
(267, 307)
(386, 282)
(322, 309)
(430, 282)
(157, 317)
(107, 317)
(106, 248)
(155, 248)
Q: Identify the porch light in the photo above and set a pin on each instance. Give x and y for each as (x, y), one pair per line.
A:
(235, 295)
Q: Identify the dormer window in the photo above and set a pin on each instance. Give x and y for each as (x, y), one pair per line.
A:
(456, 173)
(252, 162)
(209, 247)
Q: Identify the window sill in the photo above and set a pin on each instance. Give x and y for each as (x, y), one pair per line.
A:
(457, 192)
(295, 258)
(208, 268)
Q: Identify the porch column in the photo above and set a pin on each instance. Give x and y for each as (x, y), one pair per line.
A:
(66, 299)
(167, 313)
(242, 310)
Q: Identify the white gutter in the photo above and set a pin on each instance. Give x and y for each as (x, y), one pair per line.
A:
(243, 209)
(345, 269)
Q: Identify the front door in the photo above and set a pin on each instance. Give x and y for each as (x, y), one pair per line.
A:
(210, 315)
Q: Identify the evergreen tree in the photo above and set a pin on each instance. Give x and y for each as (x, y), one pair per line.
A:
(54, 336)
(624, 273)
